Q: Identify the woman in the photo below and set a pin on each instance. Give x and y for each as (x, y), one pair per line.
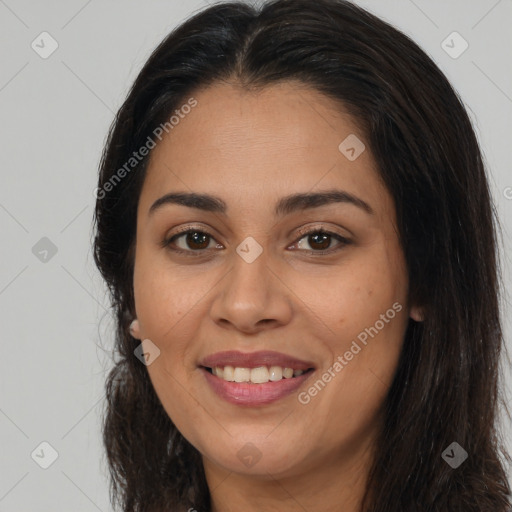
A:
(294, 222)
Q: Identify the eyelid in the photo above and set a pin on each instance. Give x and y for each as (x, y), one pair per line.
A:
(316, 228)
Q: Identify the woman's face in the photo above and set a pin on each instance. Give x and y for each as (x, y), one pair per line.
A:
(260, 274)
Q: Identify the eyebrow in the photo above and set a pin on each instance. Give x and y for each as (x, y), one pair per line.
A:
(285, 206)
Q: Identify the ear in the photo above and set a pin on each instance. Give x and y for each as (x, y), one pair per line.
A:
(135, 329)
(417, 314)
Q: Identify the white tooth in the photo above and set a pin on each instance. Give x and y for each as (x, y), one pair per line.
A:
(242, 374)
(275, 373)
(288, 373)
(214, 371)
(259, 375)
(229, 373)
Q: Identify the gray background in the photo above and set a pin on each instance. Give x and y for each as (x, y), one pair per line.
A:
(55, 113)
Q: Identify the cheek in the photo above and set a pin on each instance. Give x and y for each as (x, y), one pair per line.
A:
(363, 321)
(352, 296)
(374, 314)
(366, 346)
(164, 293)
(167, 305)
(164, 303)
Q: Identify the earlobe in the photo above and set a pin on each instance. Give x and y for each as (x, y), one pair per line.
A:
(134, 329)
(417, 314)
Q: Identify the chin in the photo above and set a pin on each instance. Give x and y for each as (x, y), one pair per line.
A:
(277, 457)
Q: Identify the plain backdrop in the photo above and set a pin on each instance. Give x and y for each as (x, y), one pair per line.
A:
(55, 112)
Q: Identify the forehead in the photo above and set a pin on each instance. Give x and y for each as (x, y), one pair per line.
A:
(251, 146)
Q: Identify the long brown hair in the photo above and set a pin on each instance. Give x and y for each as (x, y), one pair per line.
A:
(446, 387)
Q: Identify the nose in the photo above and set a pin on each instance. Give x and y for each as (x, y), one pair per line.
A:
(252, 297)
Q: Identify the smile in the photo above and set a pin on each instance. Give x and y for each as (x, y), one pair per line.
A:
(259, 375)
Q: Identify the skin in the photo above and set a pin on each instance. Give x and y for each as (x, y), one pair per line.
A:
(251, 149)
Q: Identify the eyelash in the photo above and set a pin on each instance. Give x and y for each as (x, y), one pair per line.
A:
(166, 243)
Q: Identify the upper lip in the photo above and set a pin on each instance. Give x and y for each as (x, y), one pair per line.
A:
(254, 360)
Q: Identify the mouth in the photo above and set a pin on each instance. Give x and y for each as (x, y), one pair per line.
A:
(254, 379)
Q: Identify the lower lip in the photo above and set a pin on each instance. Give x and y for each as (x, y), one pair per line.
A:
(244, 393)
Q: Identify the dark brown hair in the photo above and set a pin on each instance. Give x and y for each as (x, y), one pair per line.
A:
(446, 386)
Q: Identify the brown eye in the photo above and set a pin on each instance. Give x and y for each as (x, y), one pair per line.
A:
(196, 240)
(189, 241)
(320, 241)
